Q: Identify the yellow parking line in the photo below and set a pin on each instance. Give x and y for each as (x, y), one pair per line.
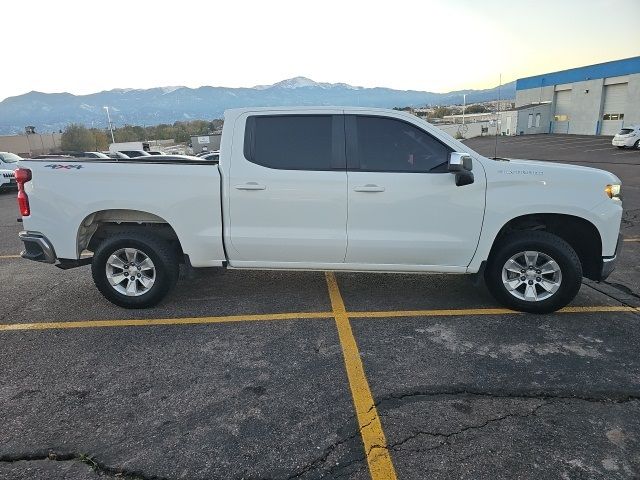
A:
(294, 316)
(431, 313)
(482, 311)
(631, 240)
(2, 257)
(163, 321)
(375, 443)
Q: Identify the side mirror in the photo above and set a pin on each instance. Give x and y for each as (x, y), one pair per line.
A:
(461, 164)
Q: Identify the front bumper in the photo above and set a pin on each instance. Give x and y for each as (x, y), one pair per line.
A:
(37, 247)
(609, 263)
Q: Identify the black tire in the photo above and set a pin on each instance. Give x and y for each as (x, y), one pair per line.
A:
(551, 245)
(162, 255)
(637, 144)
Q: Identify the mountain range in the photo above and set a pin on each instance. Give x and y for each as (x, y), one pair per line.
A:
(53, 111)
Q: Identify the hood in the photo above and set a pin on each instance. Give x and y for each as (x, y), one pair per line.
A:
(538, 167)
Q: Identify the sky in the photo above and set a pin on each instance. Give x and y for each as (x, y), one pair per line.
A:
(434, 45)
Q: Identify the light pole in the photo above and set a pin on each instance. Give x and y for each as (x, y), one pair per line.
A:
(113, 140)
(464, 105)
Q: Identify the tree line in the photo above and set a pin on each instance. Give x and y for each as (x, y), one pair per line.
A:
(78, 138)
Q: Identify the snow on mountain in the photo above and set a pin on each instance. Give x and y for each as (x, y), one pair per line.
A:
(166, 90)
(302, 82)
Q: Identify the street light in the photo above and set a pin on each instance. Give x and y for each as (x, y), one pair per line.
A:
(113, 140)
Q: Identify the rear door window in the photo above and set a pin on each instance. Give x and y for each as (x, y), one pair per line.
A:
(295, 142)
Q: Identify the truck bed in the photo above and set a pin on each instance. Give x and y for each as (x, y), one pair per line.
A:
(181, 191)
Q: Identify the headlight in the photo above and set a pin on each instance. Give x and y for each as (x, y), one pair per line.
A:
(613, 191)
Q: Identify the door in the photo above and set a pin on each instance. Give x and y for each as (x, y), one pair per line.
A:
(404, 206)
(615, 101)
(561, 117)
(288, 190)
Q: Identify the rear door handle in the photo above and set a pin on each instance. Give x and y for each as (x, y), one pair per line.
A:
(369, 187)
(250, 186)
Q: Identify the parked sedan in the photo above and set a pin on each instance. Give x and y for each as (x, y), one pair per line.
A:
(627, 137)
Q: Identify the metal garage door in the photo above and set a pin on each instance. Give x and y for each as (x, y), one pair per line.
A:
(561, 116)
(615, 100)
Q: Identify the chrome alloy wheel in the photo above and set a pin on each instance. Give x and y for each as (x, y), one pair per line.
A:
(531, 276)
(130, 272)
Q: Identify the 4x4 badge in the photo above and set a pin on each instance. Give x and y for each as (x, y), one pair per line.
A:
(57, 166)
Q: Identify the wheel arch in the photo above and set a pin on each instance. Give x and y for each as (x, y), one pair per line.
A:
(581, 234)
(103, 223)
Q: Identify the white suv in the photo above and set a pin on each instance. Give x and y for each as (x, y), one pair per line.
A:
(627, 137)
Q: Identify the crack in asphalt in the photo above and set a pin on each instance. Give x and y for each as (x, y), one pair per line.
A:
(318, 461)
(548, 398)
(445, 436)
(596, 397)
(609, 295)
(342, 470)
(98, 467)
(622, 288)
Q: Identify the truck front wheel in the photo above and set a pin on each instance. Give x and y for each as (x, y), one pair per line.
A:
(534, 271)
(134, 269)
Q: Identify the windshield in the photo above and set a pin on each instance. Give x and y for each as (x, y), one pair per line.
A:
(9, 157)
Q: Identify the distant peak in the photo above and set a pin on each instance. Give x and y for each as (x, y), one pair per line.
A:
(302, 82)
(295, 82)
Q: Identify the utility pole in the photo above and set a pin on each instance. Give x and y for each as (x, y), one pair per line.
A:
(113, 140)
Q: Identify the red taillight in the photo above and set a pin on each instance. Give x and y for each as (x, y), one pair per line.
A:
(23, 175)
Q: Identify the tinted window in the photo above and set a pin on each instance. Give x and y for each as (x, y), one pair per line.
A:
(625, 131)
(292, 142)
(390, 145)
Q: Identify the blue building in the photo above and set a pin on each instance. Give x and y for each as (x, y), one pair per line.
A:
(594, 100)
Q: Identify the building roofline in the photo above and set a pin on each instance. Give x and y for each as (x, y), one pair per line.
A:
(614, 68)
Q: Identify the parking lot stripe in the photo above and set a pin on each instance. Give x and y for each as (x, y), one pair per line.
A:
(631, 240)
(163, 321)
(296, 316)
(2, 257)
(375, 443)
(483, 311)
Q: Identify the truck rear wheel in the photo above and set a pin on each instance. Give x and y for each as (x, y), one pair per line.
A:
(535, 272)
(134, 269)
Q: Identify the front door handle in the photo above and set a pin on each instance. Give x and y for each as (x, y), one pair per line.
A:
(369, 187)
(250, 186)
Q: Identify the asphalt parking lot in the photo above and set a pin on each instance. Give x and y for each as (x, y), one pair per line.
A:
(267, 375)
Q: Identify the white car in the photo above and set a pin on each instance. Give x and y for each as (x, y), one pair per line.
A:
(627, 137)
(8, 163)
(326, 188)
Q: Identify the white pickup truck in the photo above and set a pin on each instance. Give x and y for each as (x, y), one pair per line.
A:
(326, 188)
